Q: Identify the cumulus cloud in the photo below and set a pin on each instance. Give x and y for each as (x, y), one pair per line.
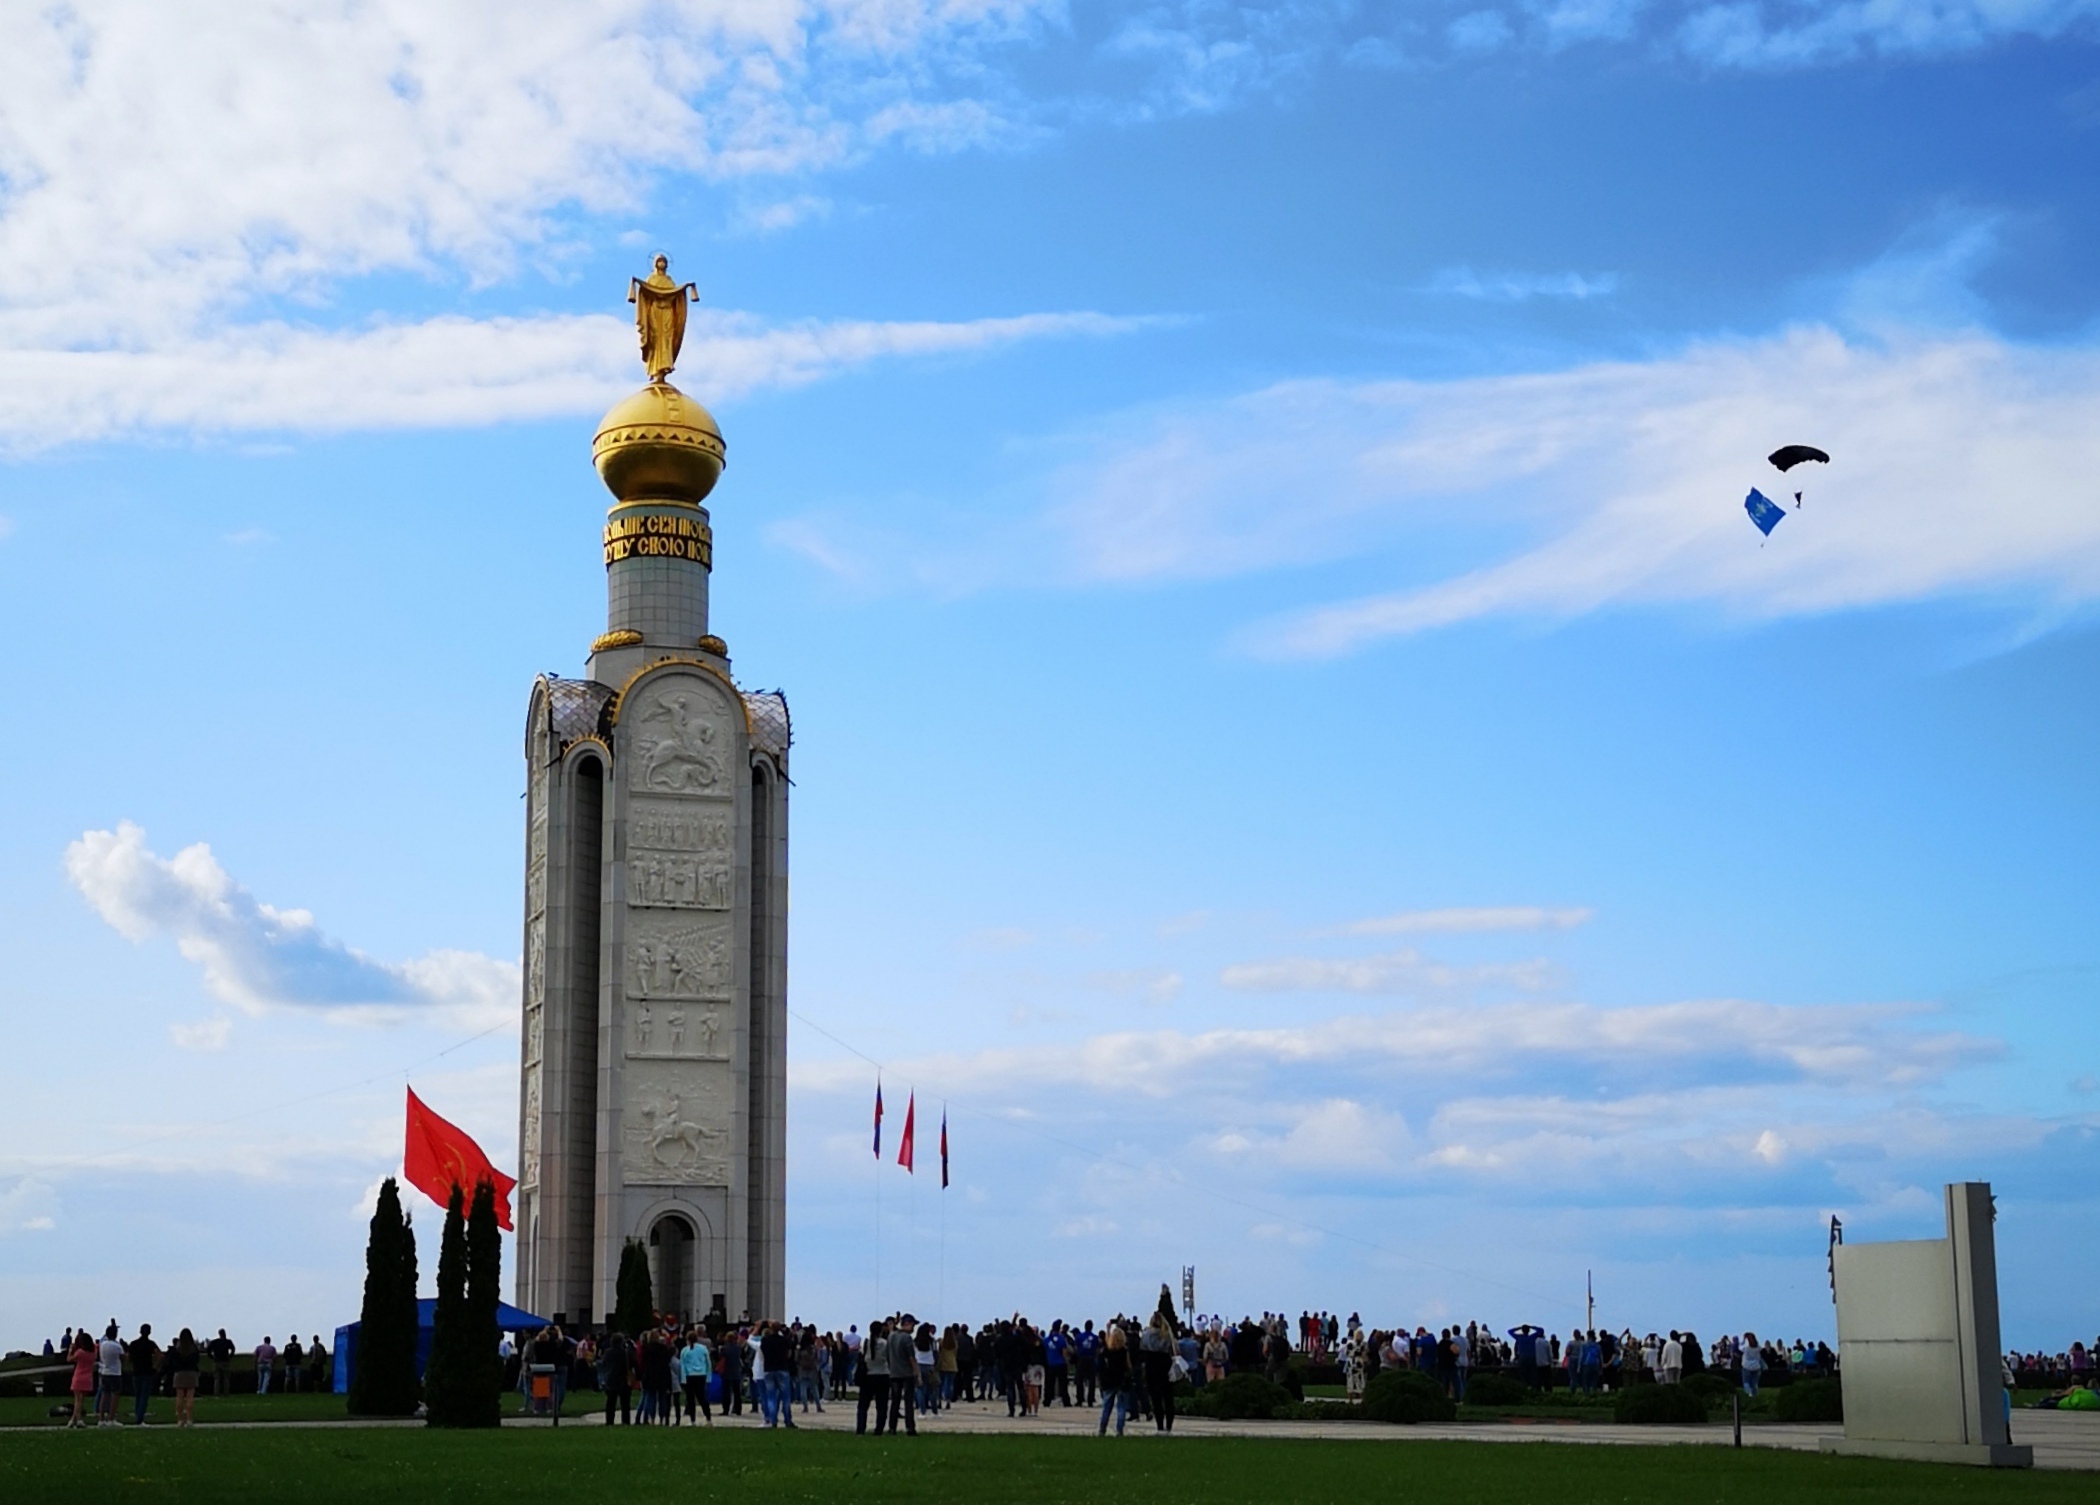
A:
(183, 197)
(258, 957)
(1335, 1136)
(1467, 921)
(1630, 478)
(1404, 971)
(238, 149)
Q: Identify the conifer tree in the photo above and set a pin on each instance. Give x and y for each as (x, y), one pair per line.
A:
(634, 1309)
(448, 1379)
(484, 1401)
(383, 1368)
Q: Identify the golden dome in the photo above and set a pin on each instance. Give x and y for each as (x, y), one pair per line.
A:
(658, 445)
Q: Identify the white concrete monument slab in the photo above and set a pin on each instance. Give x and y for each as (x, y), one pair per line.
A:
(653, 1070)
(1918, 1343)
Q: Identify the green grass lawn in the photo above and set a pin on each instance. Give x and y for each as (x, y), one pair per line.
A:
(160, 1411)
(315, 1466)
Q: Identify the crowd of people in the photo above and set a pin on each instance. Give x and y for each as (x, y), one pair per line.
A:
(105, 1369)
(900, 1370)
(903, 1369)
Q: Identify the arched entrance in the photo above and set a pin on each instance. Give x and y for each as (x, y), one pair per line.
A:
(671, 1264)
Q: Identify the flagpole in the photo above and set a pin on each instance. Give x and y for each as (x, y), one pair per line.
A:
(941, 1291)
(878, 1191)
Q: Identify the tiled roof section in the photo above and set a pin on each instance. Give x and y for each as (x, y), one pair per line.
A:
(578, 707)
(771, 730)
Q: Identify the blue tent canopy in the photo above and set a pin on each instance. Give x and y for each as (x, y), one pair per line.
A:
(509, 1319)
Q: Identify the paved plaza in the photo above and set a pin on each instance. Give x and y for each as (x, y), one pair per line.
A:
(2061, 1439)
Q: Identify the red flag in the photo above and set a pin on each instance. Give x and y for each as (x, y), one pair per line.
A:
(878, 1118)
(438, 1156)
(911, 1105)
(944, 1148)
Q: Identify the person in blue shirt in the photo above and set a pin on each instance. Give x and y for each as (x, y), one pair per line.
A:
(1086, 1361)
(1526, 1341)
(1056, 1373)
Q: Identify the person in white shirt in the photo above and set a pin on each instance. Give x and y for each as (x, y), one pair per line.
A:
(1753, 1364)
(109, 1376)
(1672, 1369)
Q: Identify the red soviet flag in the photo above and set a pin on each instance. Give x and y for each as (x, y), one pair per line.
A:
(911, 1107)
(439, 1156)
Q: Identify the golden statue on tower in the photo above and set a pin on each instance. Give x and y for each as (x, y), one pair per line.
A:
(659, 316)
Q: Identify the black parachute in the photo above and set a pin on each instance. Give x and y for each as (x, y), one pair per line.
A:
(1787, 456)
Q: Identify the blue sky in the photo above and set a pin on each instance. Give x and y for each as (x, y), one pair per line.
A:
(1297, 742)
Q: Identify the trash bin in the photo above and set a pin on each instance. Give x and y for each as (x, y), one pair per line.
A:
(540, 1391)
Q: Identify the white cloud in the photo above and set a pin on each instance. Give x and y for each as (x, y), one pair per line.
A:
(203, 155)
(1150, 984)
(1480, 31)
(28, 1206)
(1087, 1226)
(1962, 466)
(1857, 1045)
(1403, 971)
(446, 371)
(1520, 287)
(1467, 921)
(1336, 1136)
(257, 957)
(203, 1035)
(184, 195)
(1203, 56)
(1746, 34)
(776, 215)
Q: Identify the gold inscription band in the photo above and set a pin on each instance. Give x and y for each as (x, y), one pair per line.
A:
(655, 536)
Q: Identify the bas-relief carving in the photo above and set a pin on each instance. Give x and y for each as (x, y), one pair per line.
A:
(675, 1131)
(679, 956)
(690, 1031)
(529, 1171)
(680, 738)
(536, 960)
(661, 825)
(536, 845)
(669, 881)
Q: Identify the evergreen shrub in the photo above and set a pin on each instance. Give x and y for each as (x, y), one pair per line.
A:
(1808, 1401)
(1678, 1405)
(1708, 1386)
(634, 1305)
(383, 1369)
(448, 1378)
(1240, 1397)
(1496, 1390)
(1407, 1395)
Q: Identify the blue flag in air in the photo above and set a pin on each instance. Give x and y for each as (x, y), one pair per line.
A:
(1763, 511)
